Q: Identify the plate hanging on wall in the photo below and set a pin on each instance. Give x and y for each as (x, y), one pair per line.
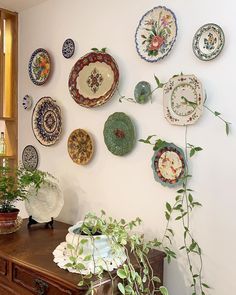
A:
(80, 146)
(30, 158)
(119, 134)
(156, 34)
(183, 100)
(93, 79)
(208, 42)
(47, 121)
(27, 102)
(169, 165)
(68, 48)
(39, 66)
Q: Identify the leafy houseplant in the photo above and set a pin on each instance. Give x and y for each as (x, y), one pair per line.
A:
(133, 280)
(14, 184)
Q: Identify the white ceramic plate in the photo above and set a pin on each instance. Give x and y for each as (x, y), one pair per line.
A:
(45, 204)
(183, 99)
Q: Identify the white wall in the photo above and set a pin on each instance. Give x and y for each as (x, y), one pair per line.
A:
(124, 186)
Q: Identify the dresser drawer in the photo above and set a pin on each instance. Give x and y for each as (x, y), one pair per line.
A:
(3, 267)
(38, 283)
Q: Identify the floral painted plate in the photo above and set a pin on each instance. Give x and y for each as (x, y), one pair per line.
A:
(47, 121)
(208, 42)
(156, 34)
(169, 165)
(30, 158)
(183, 99)
(93, 79)
(80, 146)
(119, 134)
(39, 66)
(45, 203)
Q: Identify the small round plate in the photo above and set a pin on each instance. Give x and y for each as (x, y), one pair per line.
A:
(156, 34)
(46, 203)
(27, 102)
(169, 165)
(119, 134)
(30, 158)
(80, 146)
(39, 66)
(47, 121)
(208, 42)
(68, 48)
(93, 79)
(183, 99)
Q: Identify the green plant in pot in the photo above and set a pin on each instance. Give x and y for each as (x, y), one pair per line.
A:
(14, 185)
(107, 247)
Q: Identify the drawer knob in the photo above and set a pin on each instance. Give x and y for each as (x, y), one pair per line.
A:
(41, 287)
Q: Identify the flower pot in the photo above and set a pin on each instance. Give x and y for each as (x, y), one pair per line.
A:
(8, 219)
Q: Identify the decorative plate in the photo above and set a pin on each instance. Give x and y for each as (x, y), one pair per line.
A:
(183, 99)
(80, 146)
(169, 165)
(119, 134)
(68, 48)
(142, 92)
(39, 66)
(44, 204)
(208, 42)
(156, 34)
(27, 102)
(46, 121)
(30, 158)
(93, 79)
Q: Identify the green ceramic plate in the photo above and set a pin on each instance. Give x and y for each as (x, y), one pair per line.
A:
(119, 134)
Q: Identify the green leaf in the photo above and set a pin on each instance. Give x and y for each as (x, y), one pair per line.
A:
(168, 207)
(94, 49)
(80, 266)
(70, 247)
(198, 149)
(178, 217)
(121, 274)
(159, 84)
(227, 128)
(163, 290)
(192, 152)
(87, 258)
(121, 288)
(180, 191)
(190, 198)
(81, 283)
(83, 241)
(205, 285)
(171, 231)
(217, 113)
(103, 49)
(167, 215)
(156, 279)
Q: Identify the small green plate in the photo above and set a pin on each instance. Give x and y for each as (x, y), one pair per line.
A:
(119, 134)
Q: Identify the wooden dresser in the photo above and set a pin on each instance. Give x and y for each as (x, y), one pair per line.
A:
(27, 267)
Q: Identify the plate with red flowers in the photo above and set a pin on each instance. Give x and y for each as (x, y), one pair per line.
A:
(156, 34)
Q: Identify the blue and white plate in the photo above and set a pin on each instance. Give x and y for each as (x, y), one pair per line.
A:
(68, 48)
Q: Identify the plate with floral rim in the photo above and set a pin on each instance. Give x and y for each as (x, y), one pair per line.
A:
(30, 158)
(39, 66)
(208, 41)
(80, 146)
(47, 121)
(93, 79)
(156, 34)
(183, 99)
(169, 165)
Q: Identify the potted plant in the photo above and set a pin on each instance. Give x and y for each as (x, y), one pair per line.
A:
(14, 184)
(99, 245)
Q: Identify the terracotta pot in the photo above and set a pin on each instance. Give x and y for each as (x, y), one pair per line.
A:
(8, 219)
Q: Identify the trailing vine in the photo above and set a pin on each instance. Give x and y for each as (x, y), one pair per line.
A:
(181, 210)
